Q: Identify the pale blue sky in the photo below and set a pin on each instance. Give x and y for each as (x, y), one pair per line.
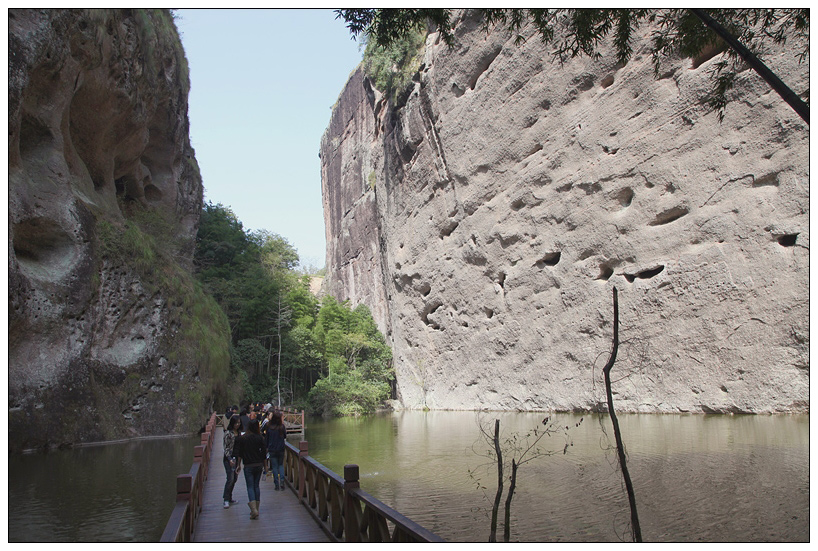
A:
(262, 86)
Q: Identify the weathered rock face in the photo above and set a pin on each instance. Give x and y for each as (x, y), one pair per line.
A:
(104, 200)
(486, 221)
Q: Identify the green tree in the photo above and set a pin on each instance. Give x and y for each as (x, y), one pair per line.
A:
(356, 361)
(283, 341)
(741, 33)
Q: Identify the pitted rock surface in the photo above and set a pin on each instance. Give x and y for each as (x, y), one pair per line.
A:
(97, 125)
(487, 219)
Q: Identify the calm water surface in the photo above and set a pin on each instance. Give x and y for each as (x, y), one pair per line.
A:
(113, 493)
(696, 478)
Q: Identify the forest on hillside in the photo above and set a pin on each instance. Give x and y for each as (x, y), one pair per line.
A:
(288, 347)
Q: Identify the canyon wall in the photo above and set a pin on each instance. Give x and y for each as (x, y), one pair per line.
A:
(106, 326)
(486, 219)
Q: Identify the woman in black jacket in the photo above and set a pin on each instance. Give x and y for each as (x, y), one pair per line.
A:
(276, 436)
(251, 450)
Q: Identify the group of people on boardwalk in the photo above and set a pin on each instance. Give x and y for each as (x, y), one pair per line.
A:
(254, 442)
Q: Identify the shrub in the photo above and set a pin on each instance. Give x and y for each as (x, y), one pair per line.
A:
(346, 394)
(391, 68)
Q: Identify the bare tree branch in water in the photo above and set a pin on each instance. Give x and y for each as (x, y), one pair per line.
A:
(620, 447)
(521, 449)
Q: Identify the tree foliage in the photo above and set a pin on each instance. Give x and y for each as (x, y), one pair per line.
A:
(284, 340)
(581, 32)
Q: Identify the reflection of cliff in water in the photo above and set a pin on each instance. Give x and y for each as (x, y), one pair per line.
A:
(107, 493)
(696, 477)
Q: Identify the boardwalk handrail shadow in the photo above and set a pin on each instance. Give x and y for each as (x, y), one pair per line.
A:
(189, 490)
(342, 509)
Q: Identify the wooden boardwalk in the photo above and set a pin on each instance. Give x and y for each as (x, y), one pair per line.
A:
(282, 517)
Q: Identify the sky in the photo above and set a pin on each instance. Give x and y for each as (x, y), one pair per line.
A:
(263, 83)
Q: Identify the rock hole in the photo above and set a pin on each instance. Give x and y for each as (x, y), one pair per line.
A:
(152, 193)
(707, 53)
(447, 229)
(788, 240)
(590, 187)
(605, 272)
(550, 259)
(489, 312)
(501, 280)
(625, 197)
(669, 216)
(517, 204)
(766, 180)
(43, 249)
(431, 308)
(645, 274)
(607, 81)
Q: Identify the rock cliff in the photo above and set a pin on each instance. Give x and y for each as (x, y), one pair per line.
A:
(486, 219)
(106, 326)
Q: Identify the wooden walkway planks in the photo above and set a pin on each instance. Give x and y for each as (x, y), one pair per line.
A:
(282, 517)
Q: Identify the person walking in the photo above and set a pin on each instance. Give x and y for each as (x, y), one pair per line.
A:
(264, 423)
(251, 451)
(276, 437)
(245, 419)
(229, 459)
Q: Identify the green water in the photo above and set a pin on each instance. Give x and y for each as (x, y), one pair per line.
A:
(696, 478)
(112, 493)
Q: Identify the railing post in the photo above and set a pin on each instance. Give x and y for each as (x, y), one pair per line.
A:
(303, 451)
(205, 454)
(351, 481)
(184, 492)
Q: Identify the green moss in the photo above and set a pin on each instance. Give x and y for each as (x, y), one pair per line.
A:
(158, 33)
(203, 340)
(372, 180)
(391, 68)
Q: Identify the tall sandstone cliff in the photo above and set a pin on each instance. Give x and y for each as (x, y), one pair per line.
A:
(486, 220)
(106, 324)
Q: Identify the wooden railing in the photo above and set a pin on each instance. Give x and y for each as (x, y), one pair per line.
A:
(189, 490)
(295, 420)
(341, 508)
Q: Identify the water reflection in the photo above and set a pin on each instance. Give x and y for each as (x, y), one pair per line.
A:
(696, 477)
(113, 493)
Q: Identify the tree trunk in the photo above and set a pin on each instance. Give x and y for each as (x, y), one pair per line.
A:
(620, 448)
(496, 507)
(278, 375)
(511, 486)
